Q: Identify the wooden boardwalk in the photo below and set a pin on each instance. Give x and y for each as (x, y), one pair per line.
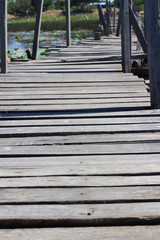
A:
(79, 149)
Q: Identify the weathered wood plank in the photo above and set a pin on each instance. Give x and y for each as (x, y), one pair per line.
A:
(91, 84)
(103, 233)
(79, 195)
(79, 181)
(85, 149)
(64, 130)
(71, 102)
(54, 115)
(81, 139)
(83, 121)
(71, 107)
(79, 215)
(56, 95)
(147, 164)
(88, 90)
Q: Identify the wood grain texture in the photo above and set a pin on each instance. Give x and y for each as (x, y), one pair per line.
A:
(143, 164)
(103, 233)
(79, 214)
(79, 147)
(80, 195)
(79, 181)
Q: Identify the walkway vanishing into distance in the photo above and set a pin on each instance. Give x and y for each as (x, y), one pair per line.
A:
(79, 148)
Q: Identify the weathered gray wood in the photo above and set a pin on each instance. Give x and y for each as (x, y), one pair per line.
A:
(85, 149)
(125, 37)
(68, 23)
(108, 15)
(79, 195)
(131, 164)
(70, 101)
(51, 115)
(101, 16)
(119, 20)
(81, 139)
(137, 30)
(115, 67)
(114, 16)
(79, 181)
(123, 97)
(89, 151)
(88, 90)
(71, 79)
(73, 84)
(37, 29)
(79, 129)
(94, 233)
(74, 108)
(3, 36)
(80, 122)
(83, 161)
(153, 40)
(79, 215)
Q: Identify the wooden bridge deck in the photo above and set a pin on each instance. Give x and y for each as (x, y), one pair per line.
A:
(79, 152)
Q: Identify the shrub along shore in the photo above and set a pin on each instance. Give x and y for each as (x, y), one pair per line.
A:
(50, 23)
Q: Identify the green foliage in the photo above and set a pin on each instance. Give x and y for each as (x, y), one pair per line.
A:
(12, 8)
(139, 5)
(48, 4)
(25, 7)
(79, 21)
(22, 7)
(60, 4)
(77, 6)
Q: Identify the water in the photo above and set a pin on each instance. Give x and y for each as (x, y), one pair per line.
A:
(19, 42)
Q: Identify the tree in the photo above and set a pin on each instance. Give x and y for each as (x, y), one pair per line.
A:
(48, 4)
(139, 5)
(60, 4)
(22, 7)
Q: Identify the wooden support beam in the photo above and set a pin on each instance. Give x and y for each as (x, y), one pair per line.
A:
(114, 16)
(137, 30)
(108, 16)
(68, 23)
(126, 37)
(153, 42)
(3, 35)
(37, 29)
(119, 20)
(101, 16)
(145, 33)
